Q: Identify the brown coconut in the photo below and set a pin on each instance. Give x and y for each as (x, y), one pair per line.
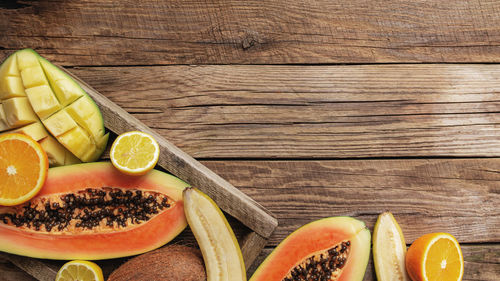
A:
(172, 263)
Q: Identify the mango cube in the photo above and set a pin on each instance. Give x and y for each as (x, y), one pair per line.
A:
(9, 67)
(36, 131)
(84, 112)
(10, 87)
(59, 123)
(77, 142)
(18, 112)
(3, 123)
(26, 58)
(100, 146)
(67, 91)
(33, 76)
(43, 101)
(53, 72)
(55, 151)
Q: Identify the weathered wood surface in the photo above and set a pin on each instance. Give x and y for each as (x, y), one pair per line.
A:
(457, 196)
(253, 32)
(313, 111)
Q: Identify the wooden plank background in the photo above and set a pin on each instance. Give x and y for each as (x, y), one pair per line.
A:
(313, 108)
(254, 32)
(313, 111)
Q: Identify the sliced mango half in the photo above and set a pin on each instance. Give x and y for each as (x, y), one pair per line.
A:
(33, 90)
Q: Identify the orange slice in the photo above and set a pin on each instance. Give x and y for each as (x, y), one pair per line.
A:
(435, 257)
(23, 168)
(134, 153)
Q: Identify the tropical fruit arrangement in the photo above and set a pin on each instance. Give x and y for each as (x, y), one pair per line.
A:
(81, 210)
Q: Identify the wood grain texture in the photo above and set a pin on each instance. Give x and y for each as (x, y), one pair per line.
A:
(10, 272)
(34, 267)
(251, 247)
(253, 32)
(457, 196)
(482, 263)
(313, 111)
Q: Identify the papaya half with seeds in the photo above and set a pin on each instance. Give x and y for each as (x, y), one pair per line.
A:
(333, 249)
(92, 211)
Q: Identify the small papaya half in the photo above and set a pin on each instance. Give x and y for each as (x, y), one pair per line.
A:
(333, 249)
(92, 211)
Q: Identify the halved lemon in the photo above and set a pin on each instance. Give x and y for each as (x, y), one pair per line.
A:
(80, 271)
(134, 153)
(23, 168)
(435, 257)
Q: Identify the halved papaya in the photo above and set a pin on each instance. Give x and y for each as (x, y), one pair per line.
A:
(92, 211)
(335, 248)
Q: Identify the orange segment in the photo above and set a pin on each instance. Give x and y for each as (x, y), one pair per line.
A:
(435, 257)
(134, 153)
(23, 168)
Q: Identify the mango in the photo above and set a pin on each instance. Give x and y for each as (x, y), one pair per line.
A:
(18, 112)
(34, 91)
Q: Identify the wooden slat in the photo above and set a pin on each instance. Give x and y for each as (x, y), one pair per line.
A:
(313, 111)
(460, 197)
(253, 32)
(10, 272)
(482, 263)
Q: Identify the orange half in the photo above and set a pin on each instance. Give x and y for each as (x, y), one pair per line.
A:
(23, 168)
(435, 257)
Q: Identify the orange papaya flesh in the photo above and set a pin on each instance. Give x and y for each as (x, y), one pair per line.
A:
(92, 211)
(334, 249)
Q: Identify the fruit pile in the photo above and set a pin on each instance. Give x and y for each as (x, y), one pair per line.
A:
(125, 207)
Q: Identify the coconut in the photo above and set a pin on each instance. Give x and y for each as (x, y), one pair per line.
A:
(173, 262)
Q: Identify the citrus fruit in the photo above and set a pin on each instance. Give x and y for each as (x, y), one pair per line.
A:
(134, 153)
(389, 249)
(435, 257)
(80, 271)
(23, 168)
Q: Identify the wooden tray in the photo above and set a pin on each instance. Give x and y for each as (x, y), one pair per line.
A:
(260, 222)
